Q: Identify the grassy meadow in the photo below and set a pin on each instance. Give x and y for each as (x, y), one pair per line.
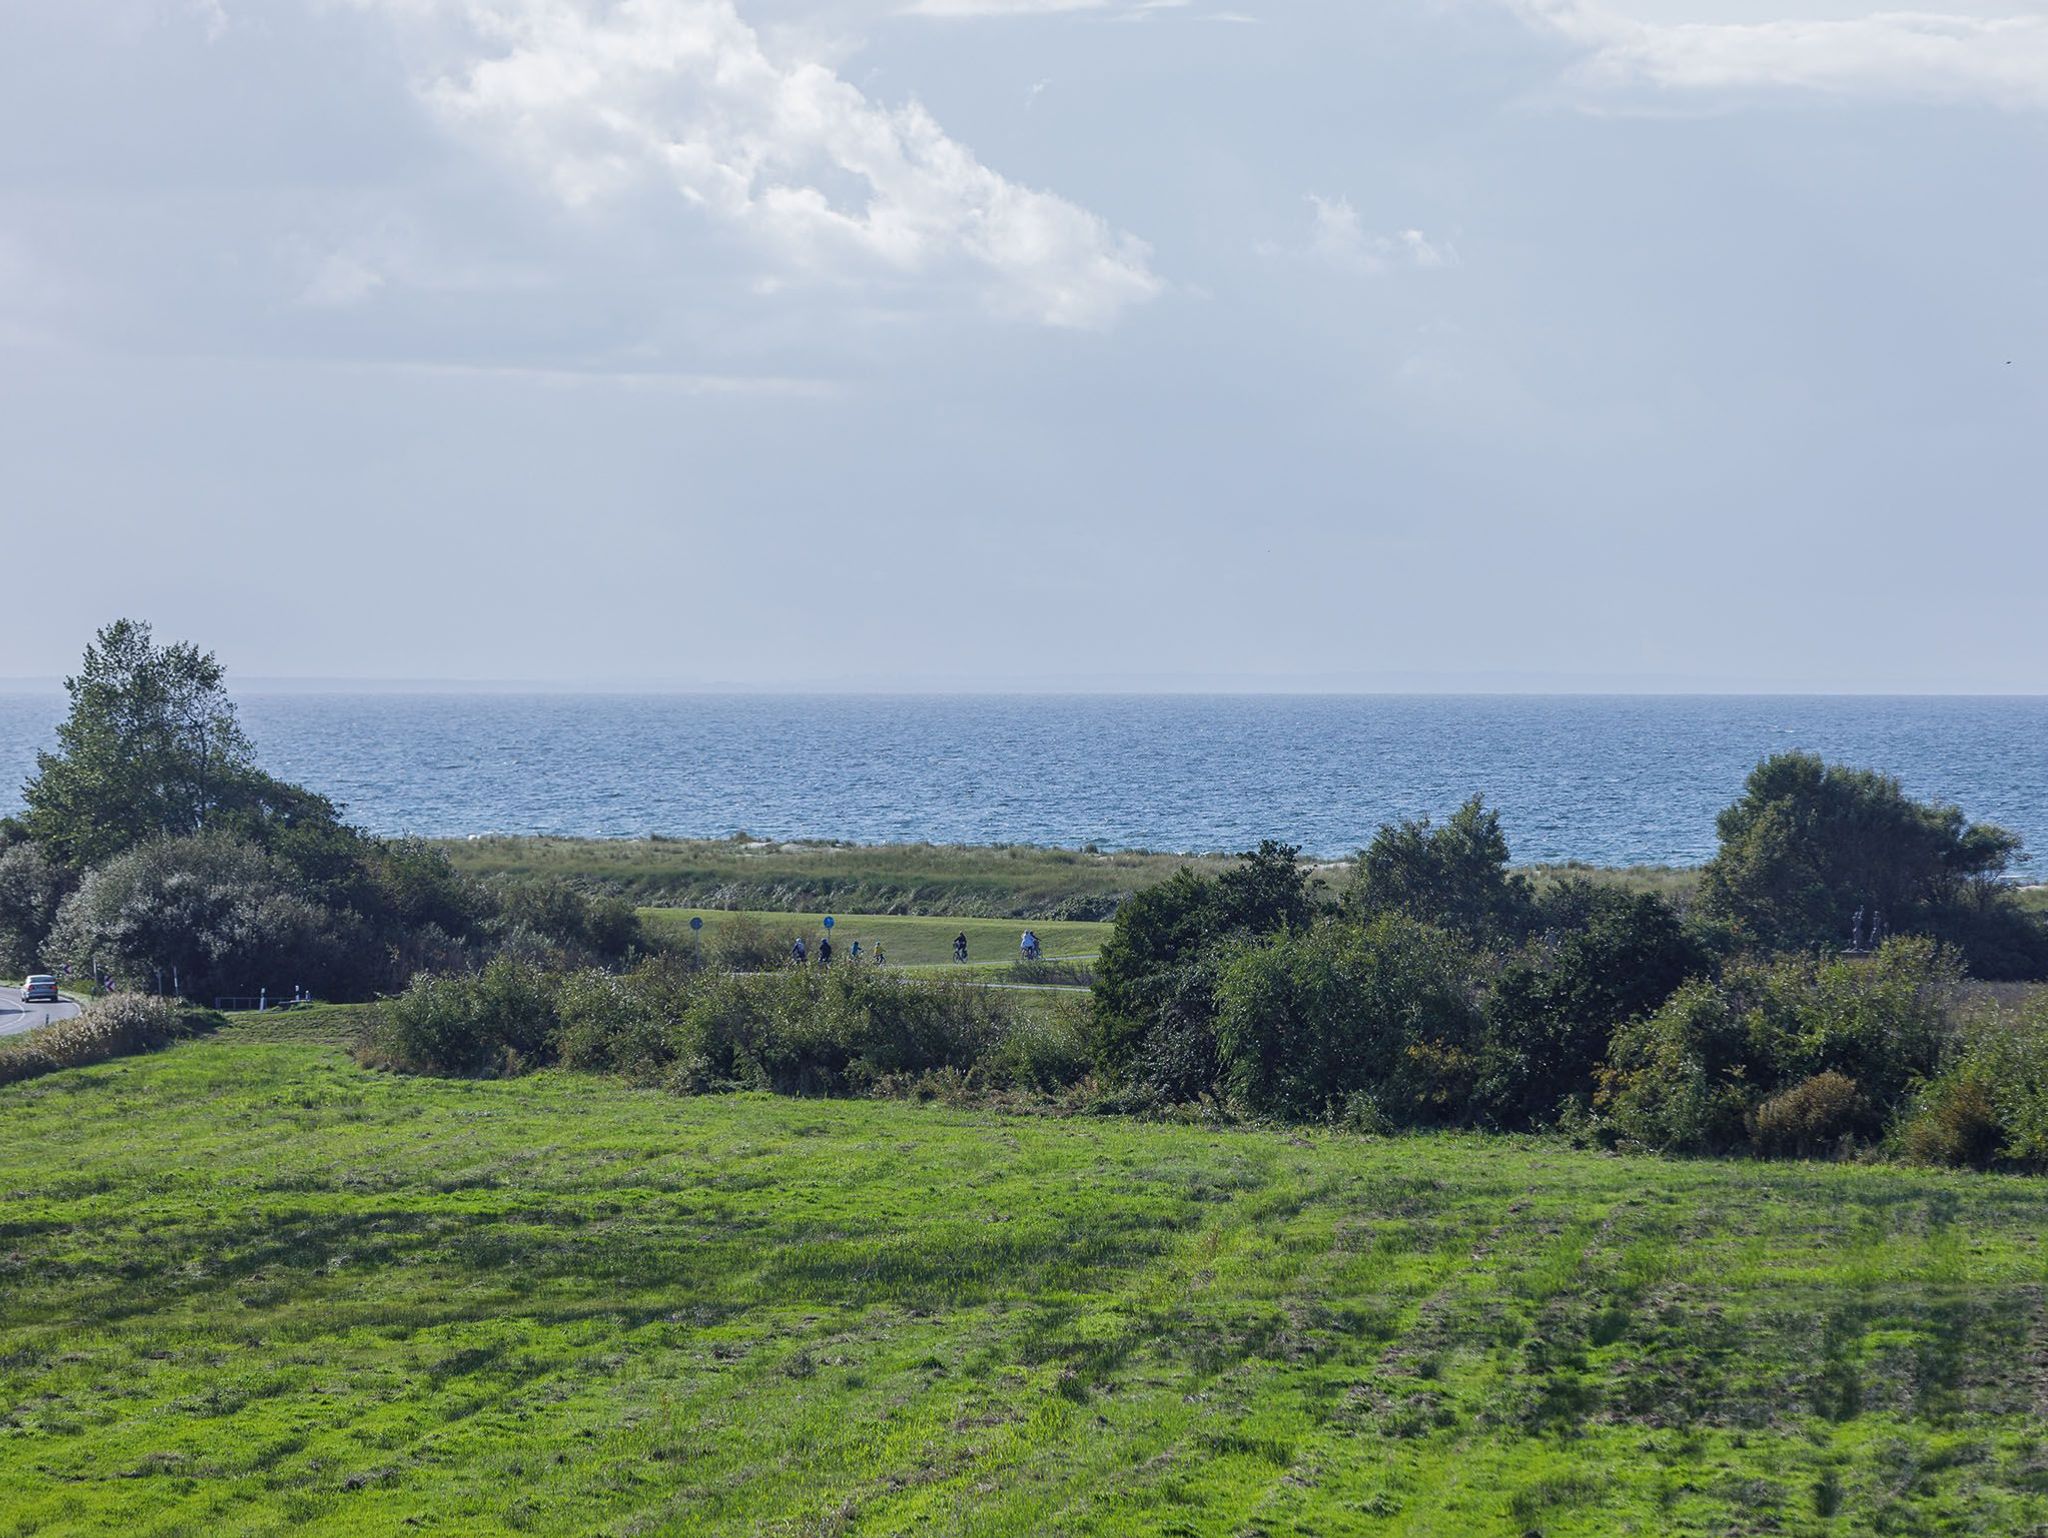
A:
(248, 1287)
(907, 940)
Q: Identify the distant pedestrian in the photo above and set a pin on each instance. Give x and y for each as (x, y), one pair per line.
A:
(797, 954)
(825, 951)
(960, 946)
(854, 954)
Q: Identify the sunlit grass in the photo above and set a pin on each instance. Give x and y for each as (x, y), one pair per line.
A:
(248, 1287)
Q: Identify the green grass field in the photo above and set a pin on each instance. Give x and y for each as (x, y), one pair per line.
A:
(907, 941)
(247, 1287)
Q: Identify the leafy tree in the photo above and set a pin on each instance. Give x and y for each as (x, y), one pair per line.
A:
(1810, 843)
(418, 885)
(149, 750)
(1603, 957)
(1455, 876)
(1156, 959)
(32, 887)
(1382, 1010)
(215, 915)
(1155, 1012)
(1266, 892)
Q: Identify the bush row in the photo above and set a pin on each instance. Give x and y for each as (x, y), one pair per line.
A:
(799, 1032)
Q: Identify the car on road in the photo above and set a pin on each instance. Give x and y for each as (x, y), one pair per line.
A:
(40, 989)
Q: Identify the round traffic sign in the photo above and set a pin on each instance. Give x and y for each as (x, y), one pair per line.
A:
(696, 921)
(828, 921)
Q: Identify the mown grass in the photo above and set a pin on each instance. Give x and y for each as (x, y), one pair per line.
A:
(909, 941)
(247, 1287)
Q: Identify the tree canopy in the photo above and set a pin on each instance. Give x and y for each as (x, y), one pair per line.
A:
(1811, 843)
(151, 749)
(1454, 876)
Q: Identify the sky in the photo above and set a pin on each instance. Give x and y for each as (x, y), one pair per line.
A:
(1288, 344)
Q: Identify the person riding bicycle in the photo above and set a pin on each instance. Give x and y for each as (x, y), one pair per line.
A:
(1029, 945)
(797, 954)
(960, 946)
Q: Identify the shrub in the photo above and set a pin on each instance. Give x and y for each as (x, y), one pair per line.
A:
(1605, 957)
(502, 1020)
(1691, 1077)
(1990, 1105)
(802, 1032)
(625, 1023)
(1310, 1020)
(1884, 1022)
(1818, 1115)
(1955, 1121)
(32, 888)
(117, 1025)
(1042, 1051)
(740, 942)
(1675, 1081)
(554, 921)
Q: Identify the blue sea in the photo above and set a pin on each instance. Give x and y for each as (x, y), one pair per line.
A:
(1607, 779)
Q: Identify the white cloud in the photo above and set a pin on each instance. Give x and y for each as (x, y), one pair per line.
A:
(1338, 238)
(1909, 55)
(600, 97)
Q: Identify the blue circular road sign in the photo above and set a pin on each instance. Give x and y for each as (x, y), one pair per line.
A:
(696, 922)
(828, 921)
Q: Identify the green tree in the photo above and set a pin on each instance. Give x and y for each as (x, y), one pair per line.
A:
(1453, 876)
(212, 915)
(1810, 843)
(1603, 957)
(149, 750)
(32, 887)
(1155, 981)
(1381, 1010)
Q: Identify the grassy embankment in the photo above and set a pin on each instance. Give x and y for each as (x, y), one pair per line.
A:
(999, 881)
(986, 881)
(248, 1287)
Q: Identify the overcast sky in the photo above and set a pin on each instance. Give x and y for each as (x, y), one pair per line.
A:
(1284, 343)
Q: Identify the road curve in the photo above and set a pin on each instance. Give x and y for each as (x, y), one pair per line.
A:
(18, 1018)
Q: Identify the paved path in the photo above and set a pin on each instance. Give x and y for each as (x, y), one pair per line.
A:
(17, 1018)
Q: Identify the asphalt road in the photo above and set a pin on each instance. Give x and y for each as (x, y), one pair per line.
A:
(17, 1018)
